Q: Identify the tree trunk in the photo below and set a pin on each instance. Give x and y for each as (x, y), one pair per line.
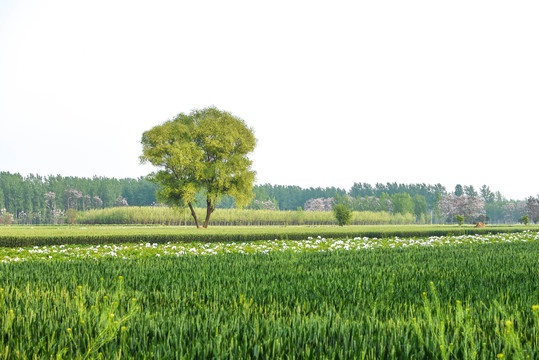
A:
(194, 215)
(209, 211)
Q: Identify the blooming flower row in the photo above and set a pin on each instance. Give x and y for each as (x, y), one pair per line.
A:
(319, 244)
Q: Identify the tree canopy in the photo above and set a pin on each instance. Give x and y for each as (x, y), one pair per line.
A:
(205, 150)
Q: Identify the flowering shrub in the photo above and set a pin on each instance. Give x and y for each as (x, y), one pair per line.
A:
(120, 201)
(6, 218)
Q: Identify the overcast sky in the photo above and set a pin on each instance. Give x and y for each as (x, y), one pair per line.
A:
(337, 92)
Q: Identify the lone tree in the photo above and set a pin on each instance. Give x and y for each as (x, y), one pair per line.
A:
(342, 214)
(204, 150)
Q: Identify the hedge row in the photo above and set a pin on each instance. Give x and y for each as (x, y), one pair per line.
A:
(236, 235)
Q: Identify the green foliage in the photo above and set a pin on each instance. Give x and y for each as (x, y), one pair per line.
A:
(385, 202)
(438, 216)
(290, 197)
(205, 150)
(486, 194)
(20, 236)
(459, 219)
(448, 302)
(402, 204)
(342, 200)
(342, 214)
(233, 217)
(29, 194)
(420, 206)
(426, 190)
(71, 216)
(470, 191)
(525, 220)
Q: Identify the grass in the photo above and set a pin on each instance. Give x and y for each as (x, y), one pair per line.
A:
(460, 298)
(21, 236)
(232, 217)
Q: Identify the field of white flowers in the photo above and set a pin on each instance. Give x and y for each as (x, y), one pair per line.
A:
(319, 244)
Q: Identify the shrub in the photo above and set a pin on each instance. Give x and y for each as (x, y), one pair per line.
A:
(342, 214)
(5, 217)
(71, 216)
(460, 219)
(524, 220)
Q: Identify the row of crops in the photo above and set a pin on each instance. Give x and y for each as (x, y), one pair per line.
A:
(22, 236)
(318, 244)
(465, 297)
(233, 217)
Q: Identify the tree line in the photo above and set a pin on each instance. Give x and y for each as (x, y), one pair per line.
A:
(427, 202)
(294, 197)
(36, 199)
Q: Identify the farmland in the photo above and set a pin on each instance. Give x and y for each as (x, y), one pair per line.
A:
(233, 217)
(15, 236)
(453, 296)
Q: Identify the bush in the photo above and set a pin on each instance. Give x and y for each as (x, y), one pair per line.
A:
(342, 214)
(5, 217)
(71, 216)
(524, 220)
(459, 219)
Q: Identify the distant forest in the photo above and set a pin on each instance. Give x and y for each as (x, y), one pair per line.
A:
(38, 199)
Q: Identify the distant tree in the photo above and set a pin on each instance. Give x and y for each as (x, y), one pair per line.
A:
(437, 208)
(86, 202)
(385, 202)
(262, 205)
(346, 200)
(121, 201)
(50, 206)
(342, 214)
(5, 217)
(361, 190)
(486, 195)
(473, 207)
(72, 197)
(469, 207)
(509, 211)
(459, 219)
(367, 203)
(402, 204)
(458, 190)
(532, 208)
(71, 216)
(204, 150)
(260, 193)
(524, 220)
(226, 202)
(420, 205)
(494, 211)
(470, 191)
(97, 202)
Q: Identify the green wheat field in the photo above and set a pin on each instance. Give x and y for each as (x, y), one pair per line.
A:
(449, 296)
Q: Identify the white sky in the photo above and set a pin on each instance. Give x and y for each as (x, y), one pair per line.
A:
(337, 92)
